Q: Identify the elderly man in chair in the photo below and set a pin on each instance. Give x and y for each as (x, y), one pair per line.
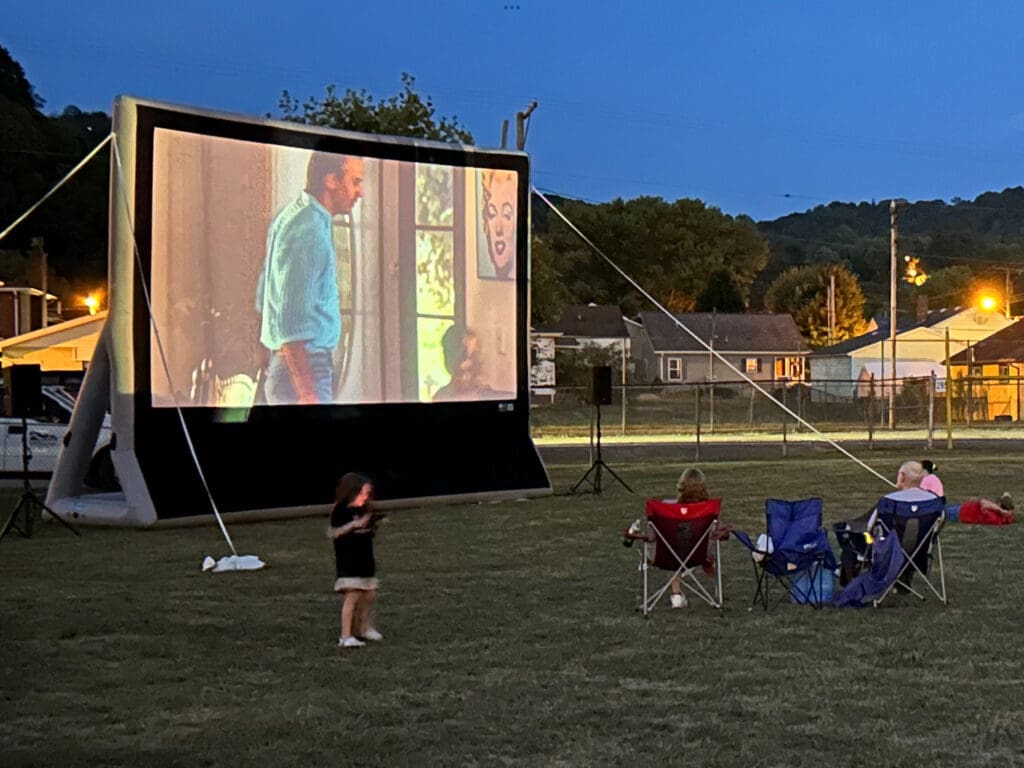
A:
(908, 488)
(908, 483)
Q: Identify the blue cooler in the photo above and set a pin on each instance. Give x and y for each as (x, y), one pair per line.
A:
(953, 513)
(823, 581)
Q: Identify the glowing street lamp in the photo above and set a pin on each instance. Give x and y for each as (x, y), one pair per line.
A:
(988, 303)
(92, 303)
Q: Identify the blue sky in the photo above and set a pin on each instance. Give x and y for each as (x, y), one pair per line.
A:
(762, 108)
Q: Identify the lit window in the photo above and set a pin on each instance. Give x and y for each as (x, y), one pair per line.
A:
(752, 364)
(1004, 373)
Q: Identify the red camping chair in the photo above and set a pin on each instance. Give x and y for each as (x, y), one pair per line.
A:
(678, 538)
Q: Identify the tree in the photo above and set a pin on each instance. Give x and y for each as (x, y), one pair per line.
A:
(671, 249)
(720, 294)
(803, 293)
(950, 287)
(14, 86)
(405, 114)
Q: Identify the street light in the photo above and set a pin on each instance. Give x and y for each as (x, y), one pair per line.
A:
(92, 303)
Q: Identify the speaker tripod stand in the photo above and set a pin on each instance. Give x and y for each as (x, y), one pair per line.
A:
(593, 475)
(23, 515)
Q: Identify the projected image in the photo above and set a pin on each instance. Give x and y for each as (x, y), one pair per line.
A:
(498, 191)
(288, 276)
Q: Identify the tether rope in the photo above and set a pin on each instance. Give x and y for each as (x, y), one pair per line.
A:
(707, 346)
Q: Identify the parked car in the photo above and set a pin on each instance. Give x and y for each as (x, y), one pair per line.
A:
(45, 433)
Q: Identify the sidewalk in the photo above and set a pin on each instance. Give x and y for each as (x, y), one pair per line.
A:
(765, 445)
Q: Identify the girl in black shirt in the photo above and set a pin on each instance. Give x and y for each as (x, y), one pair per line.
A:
(351, 530)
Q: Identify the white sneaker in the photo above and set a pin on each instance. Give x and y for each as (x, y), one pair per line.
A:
(371, 634)
(350, 642)
(678, 601)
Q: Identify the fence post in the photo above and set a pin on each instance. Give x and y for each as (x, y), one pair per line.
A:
(949, 399)
(750, 419)
(931, 408)
(871, 412)
(696, 416)
(970, 395)
(784, 446)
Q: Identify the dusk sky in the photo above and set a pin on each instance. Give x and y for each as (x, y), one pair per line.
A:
(761, 108)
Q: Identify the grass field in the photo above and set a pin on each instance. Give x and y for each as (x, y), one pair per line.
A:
(511, 640)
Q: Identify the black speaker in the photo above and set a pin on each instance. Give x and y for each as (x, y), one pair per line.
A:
(599, 387)
(24, 395)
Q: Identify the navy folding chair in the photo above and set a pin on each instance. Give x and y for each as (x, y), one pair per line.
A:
(917, 525)
(795, 552)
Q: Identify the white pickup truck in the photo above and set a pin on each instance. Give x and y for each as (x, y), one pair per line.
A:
(44, 433)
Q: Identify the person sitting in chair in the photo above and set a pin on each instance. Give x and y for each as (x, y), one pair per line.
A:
(908, 488)
(908, 484)
(692, 487)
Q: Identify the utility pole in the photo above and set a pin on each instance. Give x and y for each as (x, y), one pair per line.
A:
(831, 308)
(521, 125)
(893, 247)
(37, 249)
(1008, 290)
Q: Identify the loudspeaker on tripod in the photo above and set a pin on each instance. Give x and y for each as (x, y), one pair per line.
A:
(24, 390)
(599, 386)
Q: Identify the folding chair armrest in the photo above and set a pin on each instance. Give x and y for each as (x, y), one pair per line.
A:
(744, 539)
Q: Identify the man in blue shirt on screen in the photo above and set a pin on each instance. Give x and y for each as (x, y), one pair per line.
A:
(297, 293)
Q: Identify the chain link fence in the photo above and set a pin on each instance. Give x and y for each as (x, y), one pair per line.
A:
(736, 408)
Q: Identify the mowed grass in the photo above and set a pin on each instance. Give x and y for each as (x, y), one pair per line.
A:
(511, 639)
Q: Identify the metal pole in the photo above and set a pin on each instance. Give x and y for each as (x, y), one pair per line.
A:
(931, 408)
(892, 309)
(1006, 295)
(949, 399)
(711, 389)
(624, 386)
(831, 308)
(696, 416)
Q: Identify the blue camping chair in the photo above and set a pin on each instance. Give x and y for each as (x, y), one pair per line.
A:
(917, 525)
(911, 530)
(795, 552)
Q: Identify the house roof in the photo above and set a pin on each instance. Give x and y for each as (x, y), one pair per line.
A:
(934, 317)
(590, 321)
(1007, 345)
(57, 333)
(762, 332)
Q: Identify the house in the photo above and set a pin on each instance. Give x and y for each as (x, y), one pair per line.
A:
(835, 370)
(66, 346)
(581, 327)
(766, 347)
(995, 366)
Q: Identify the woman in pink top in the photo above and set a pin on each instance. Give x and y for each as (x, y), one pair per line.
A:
(931, 481)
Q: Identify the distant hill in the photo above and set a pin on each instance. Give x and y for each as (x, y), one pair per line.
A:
(949, 238)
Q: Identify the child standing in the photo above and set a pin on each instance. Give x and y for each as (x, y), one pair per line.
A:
(351, 530)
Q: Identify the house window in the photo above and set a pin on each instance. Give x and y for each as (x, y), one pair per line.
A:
(752, 364)
(674, 369)
(780, 368)
(1004, 374)
(976, 370)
